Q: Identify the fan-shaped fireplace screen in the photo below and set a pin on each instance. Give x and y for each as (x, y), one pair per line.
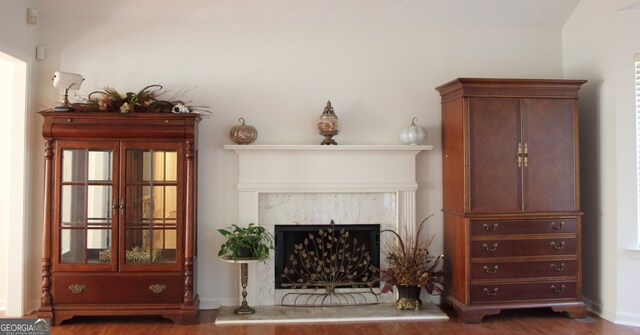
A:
(327, 265)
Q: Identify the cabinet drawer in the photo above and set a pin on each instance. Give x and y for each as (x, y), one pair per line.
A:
(524, 247)
(524, 291)
(116, 289)
(499, 227)
(502, 270)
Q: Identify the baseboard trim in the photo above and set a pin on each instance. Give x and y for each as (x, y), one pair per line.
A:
(628, 319)
(213, 303)
(592, 306)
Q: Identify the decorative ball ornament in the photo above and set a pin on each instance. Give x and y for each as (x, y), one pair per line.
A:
(328, 125)
(243, 134)
(414, 135)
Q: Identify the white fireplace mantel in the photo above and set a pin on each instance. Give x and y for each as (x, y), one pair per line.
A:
(317, 169)
(325, 169)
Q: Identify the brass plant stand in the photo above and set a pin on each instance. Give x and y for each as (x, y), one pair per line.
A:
(244, 278)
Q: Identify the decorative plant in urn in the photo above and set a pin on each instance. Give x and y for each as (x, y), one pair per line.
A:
(410, 267)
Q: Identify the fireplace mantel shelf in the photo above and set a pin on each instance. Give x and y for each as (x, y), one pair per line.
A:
(316, 168)
(326, 148)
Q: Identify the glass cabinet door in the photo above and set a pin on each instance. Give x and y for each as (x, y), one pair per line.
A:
(152, 194)
(85, 222)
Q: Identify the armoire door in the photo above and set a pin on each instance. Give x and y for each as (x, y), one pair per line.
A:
(495, 178)
(549, 132)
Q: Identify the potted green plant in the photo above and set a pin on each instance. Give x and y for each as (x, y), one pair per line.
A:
(246, 242)
(410, 268)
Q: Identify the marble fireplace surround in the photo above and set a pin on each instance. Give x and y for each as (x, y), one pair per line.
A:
(282, 184)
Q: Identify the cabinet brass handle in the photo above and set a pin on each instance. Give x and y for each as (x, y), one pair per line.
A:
(490, 293)
(77, 288)
(122, 204)
(519, 150)
(492, 227)
(488, 248)
(69, 120)
(526, 155)
(558, 289)
(557, 268)
(157, 288)
(557, 226)
(557, 246)
(489, 271)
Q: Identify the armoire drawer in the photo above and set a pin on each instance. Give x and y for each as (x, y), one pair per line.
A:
(524, 247)
(502, 227)
(524, 291)
(116, 289)
(524, 269)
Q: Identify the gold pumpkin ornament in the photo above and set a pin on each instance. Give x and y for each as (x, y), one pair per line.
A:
(243, 134)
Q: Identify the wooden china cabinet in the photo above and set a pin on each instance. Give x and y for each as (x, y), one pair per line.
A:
(120, 215)
(511, 201)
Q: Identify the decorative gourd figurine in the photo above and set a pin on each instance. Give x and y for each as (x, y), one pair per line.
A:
(414, 135)
(243, 134)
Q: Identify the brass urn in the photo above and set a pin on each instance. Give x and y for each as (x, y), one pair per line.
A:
(243, 134)
(328, 126)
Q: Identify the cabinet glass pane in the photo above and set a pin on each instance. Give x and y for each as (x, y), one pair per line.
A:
(100, 165)
(98, 245)
(152, 204)
(72, 246)
(72, 205)
(99, 205)
(74, 165)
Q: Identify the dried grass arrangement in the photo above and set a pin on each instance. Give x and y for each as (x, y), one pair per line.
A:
(410, 264)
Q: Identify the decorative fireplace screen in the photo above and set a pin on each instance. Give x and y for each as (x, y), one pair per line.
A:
(327, 265)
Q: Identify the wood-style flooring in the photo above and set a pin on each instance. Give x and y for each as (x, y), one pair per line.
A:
(525, 322)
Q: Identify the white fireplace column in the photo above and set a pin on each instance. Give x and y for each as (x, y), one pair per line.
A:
(324, 169)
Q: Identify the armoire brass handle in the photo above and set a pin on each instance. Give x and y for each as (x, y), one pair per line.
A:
(557, 226)
(558, 289)
(489, 271)
(557, 268)
(490, 227)
(519, 155)
(491, 248)
(490, 293)
(526, 155)
(557, 246)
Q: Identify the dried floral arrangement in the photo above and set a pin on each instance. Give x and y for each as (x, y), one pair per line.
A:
(410, 264)
(150, 99)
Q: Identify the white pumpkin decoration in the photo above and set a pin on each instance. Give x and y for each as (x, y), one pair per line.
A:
(414, 135)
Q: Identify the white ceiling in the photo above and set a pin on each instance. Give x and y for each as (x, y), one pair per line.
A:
(516, 13)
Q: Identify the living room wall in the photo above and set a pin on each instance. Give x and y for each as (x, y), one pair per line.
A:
(277, 67)
(603, 53)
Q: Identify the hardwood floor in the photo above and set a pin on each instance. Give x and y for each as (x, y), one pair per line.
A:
(527, 322)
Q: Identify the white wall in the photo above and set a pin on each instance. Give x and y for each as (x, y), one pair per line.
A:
(18, 40)
(276, 68)
(603, 53)
(6, 76)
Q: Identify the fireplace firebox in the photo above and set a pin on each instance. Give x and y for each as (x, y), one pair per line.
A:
(354, 247)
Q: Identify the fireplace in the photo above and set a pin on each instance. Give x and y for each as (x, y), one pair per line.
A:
(289, 185)
(343, 256)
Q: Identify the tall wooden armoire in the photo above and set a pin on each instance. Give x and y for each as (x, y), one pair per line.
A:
(511, 197)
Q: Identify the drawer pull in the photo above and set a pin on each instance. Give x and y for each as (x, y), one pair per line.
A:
(492, 248)
(77, 288)
(487, 270)
(157, 288)
(69, 120)
(558, 289)
(557, 246)
(557, 268)
(557, 226)
(490, 227)
(490, 293)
